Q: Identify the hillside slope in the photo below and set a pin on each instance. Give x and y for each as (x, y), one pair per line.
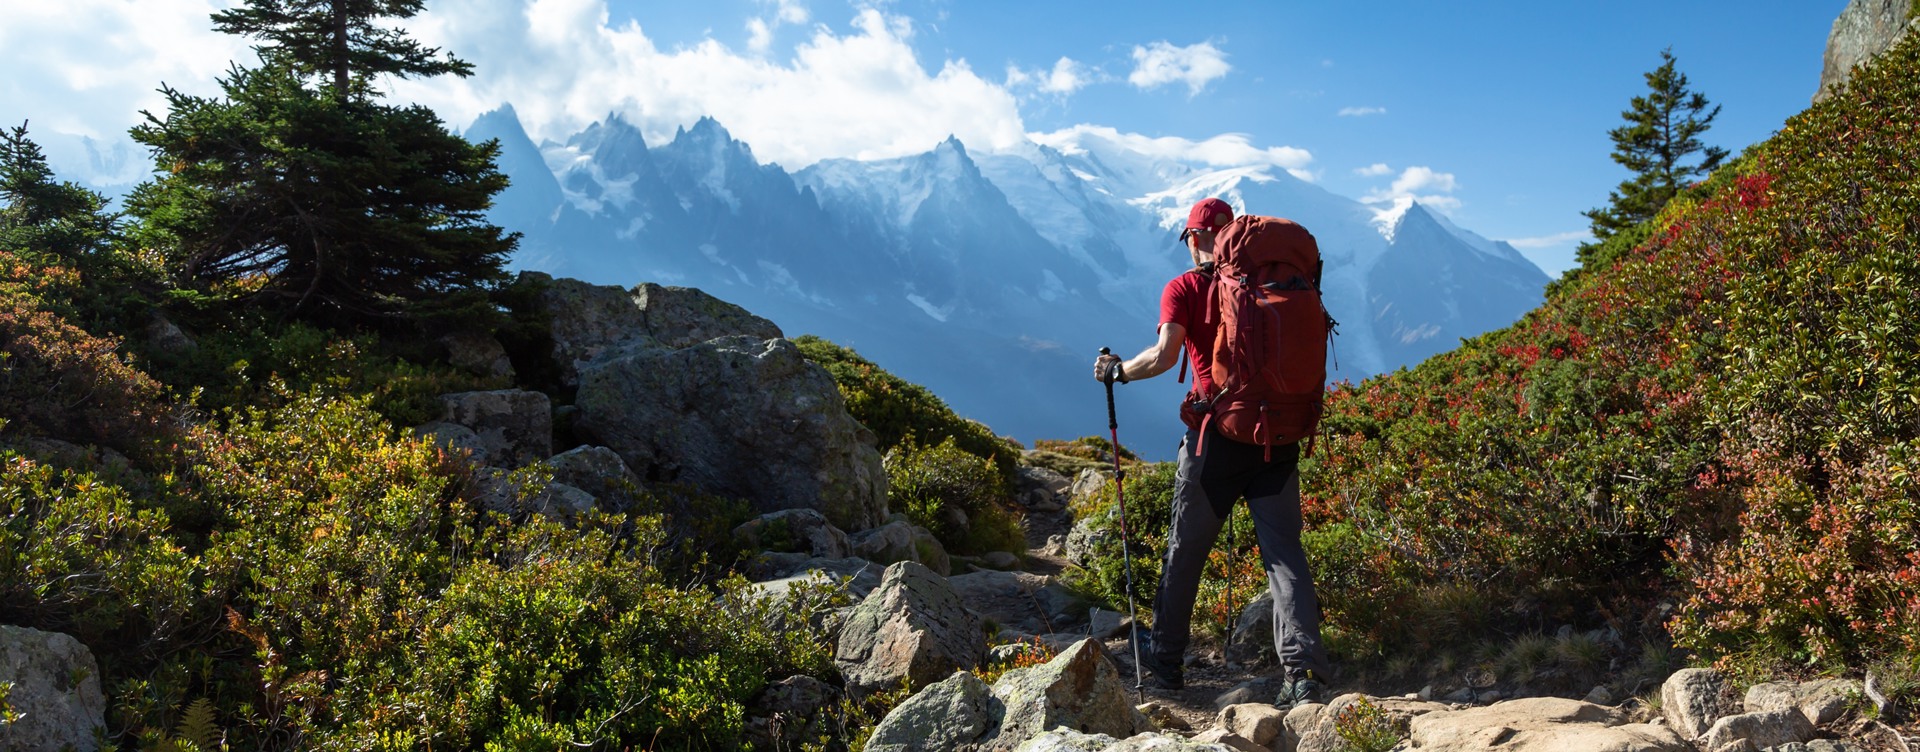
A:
(1711, 427)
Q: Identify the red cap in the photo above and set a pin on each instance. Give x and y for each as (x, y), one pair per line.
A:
(1209, 214)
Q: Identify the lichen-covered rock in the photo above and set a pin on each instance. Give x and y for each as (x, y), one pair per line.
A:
(599, 471)
(1039, 489)
(587, 320)
(1693, 698)
(512, 428)
(739, 417)
(794, 531)
(55, 693)
(1864, 29)
(478, 353)
(1822, 701)
(901, 540)
(912, 628)
(955, 713)
(1080, 689)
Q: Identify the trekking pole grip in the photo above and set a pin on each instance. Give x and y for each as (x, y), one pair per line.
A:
(1113, 423)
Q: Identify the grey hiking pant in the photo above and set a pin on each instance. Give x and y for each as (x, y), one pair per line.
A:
(1205, 489)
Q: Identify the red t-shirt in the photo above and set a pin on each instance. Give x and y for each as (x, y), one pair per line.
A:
(1184, 302)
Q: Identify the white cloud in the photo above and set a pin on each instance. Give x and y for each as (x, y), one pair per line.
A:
(1225, 150)
(82, 70)
(1551, 241)
(1420, 184)
(862, 94)
(1067, 77)
(1161, 63)
(1362, 111)
(1373, 170)
(760, 30)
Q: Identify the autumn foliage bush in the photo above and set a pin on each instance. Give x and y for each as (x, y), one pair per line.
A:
(1718, 411)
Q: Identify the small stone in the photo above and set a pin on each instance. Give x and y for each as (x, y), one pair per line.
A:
(1001, 560)
(1163, 717)
(1229, 740)
(1259, 723)
(1600, 695)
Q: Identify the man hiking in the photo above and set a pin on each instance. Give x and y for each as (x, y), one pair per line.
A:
(1215, 471)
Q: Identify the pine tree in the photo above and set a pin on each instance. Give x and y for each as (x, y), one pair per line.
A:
(1662, 131)
(47, 225)
(298, 190)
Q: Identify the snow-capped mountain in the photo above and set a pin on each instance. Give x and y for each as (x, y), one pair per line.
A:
(991, 278)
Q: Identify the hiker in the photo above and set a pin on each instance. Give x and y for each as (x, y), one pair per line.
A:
(1213, 473)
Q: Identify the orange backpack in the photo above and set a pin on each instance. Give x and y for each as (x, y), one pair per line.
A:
(1270, 346)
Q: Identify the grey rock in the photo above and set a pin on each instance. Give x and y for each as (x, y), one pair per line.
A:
(1737, 745)
(955, 713)
(451, 437)
(513, 428)
(1540, 724)
(599, 471)
(1080, 689)
(1299, 721)
(1103, 624)
(586, 321)
(791, 712)
(477, 353)
(1252, 641)
(886, 544)
(164, 336)
(738, 417)
(1825, 701)
(1001, 560)
(794, 531)
(775, 573)
(1863, 30)
(55, 692)
(505, 492)
(1261, 689)
(679, 317)
(1039, 489)
(1006, 653)
(1692, 699)
(1088, 483)
(1600, 695)
(931, 551)
(1067, 740)
(1765, 729)
(1083, 540)
(1257, 722)
(913, 628)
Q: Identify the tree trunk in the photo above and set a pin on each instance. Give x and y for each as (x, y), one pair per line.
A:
(341, 69)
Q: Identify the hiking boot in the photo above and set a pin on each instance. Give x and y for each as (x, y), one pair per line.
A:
(1160, 673)
(1300, 690)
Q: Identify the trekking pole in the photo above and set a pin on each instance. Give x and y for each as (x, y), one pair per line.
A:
(1120, 497)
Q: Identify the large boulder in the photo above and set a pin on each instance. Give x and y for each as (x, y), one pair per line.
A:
(1319, 728)
(586, 320)
(1256, 722)
(955, 713)
(1024, 601)
(901, 540)
(1693, 698)
(510, 428)
(479, 353)
(1541, 724)
(55, 694)
(1864, 30)
(1080, 689)
(794, 531)
(1822, 701)
(740, 417)
(911, 629)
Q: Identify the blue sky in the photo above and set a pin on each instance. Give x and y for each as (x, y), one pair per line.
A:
(1496, 112)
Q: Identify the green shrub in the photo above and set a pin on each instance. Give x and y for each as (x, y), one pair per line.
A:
(895, 409)
(956, 495)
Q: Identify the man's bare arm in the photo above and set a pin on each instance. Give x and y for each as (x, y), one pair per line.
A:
(1152, 361)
